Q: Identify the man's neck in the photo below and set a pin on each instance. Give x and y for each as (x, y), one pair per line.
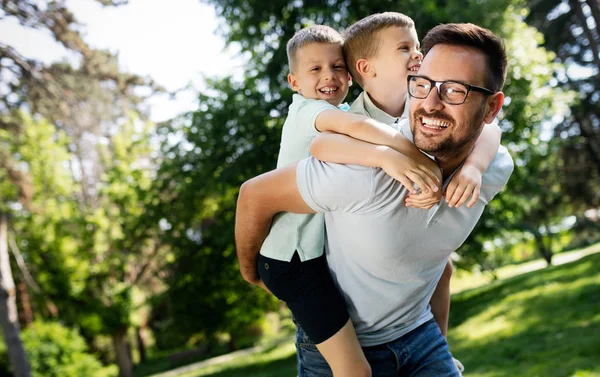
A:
(449, 164)
(389, 104)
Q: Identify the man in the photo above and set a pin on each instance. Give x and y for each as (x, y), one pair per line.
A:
(385, 257)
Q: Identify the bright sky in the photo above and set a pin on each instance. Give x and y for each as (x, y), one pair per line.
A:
(172, 42)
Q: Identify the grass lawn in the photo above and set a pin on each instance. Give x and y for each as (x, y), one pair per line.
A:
(543, 323)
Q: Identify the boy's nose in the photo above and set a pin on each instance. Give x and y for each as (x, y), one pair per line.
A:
(417, 55)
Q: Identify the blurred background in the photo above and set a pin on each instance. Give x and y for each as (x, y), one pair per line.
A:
(127, 127)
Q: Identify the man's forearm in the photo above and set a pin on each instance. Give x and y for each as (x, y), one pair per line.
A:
(250, 232)
(259, 200)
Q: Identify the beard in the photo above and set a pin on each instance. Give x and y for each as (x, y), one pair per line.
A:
(452, 144)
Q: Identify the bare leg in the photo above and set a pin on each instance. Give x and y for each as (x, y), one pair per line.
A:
(440, 301)
(344, 355)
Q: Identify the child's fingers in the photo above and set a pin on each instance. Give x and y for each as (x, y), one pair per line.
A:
(450, 190)
(456, 196)
(406, 182)
(465, 196)
(474, 198)
(420, 178)
(424, 204)
(431, 175)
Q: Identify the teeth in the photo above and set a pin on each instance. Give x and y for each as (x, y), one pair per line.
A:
(328, 90)
(434, 123)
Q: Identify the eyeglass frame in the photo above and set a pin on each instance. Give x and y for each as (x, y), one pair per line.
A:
(438, 84)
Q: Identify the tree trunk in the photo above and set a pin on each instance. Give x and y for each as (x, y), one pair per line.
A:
(140, 344)
(8, 308)
(541, 246)
(26, 312)
(122, 354)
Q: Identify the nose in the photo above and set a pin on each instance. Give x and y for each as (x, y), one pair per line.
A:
(417, 55)
(432, 101)
(328, 73)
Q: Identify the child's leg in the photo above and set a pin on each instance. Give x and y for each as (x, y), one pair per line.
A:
(320, 310)
(343, 353)
(440, 301)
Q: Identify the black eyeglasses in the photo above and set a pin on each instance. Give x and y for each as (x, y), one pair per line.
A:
(450, 92)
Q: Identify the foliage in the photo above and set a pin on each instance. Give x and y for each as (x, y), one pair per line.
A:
(572, 30)
(56, 351)
(198, 181)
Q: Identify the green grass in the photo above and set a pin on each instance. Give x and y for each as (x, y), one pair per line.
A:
(543, 323)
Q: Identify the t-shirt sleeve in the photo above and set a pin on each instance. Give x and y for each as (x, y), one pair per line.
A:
(308, 110)
(334, 187)
(496, 176)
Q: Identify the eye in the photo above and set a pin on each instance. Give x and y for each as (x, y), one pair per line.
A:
(403, 48)
(339, 67)
(314, 69)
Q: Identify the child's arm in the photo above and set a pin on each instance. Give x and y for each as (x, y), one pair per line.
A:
(466, 183)
(364, 128)
(342, 149)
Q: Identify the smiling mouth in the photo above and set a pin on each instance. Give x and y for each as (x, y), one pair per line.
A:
(329, 90)
(415, 68)
(434, 124)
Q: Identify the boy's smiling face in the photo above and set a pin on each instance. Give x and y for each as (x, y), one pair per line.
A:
(320, 72)
(398, 56)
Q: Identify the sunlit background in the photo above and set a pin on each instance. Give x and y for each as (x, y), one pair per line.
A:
(127, 127)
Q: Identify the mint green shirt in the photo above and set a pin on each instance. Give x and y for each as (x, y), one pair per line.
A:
(292, 232)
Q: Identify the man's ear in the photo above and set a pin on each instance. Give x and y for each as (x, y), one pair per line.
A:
(293, 82)
(365, 69)
(494, 104)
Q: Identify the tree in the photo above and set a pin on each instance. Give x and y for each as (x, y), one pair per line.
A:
(87, 105)
(577, 46)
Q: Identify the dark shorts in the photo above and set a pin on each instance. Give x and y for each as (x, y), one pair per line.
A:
(309, 291)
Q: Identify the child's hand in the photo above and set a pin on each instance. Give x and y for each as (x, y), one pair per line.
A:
(409, 172)
(424, 200)
(465, 184)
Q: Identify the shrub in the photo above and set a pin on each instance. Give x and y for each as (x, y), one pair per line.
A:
(56, 351)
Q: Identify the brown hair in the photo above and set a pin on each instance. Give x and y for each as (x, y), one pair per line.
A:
(476, 37)
(361, 40)
(308, 35)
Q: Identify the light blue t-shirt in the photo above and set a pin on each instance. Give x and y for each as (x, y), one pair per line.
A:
(292, 232)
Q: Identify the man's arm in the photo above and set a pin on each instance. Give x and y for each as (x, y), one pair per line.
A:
(259, 200)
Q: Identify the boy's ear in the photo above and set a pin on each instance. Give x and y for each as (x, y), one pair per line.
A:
(293, 82)
(349, 79)
(364, 68)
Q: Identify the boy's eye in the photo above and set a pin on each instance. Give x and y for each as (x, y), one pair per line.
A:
(339, 66)
(314, 69)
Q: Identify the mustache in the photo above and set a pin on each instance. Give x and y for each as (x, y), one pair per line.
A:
(435, 114)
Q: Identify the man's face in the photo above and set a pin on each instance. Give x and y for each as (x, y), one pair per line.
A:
(320, 73)
(444, 130)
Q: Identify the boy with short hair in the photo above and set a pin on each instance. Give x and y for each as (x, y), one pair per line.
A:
(292, 263)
